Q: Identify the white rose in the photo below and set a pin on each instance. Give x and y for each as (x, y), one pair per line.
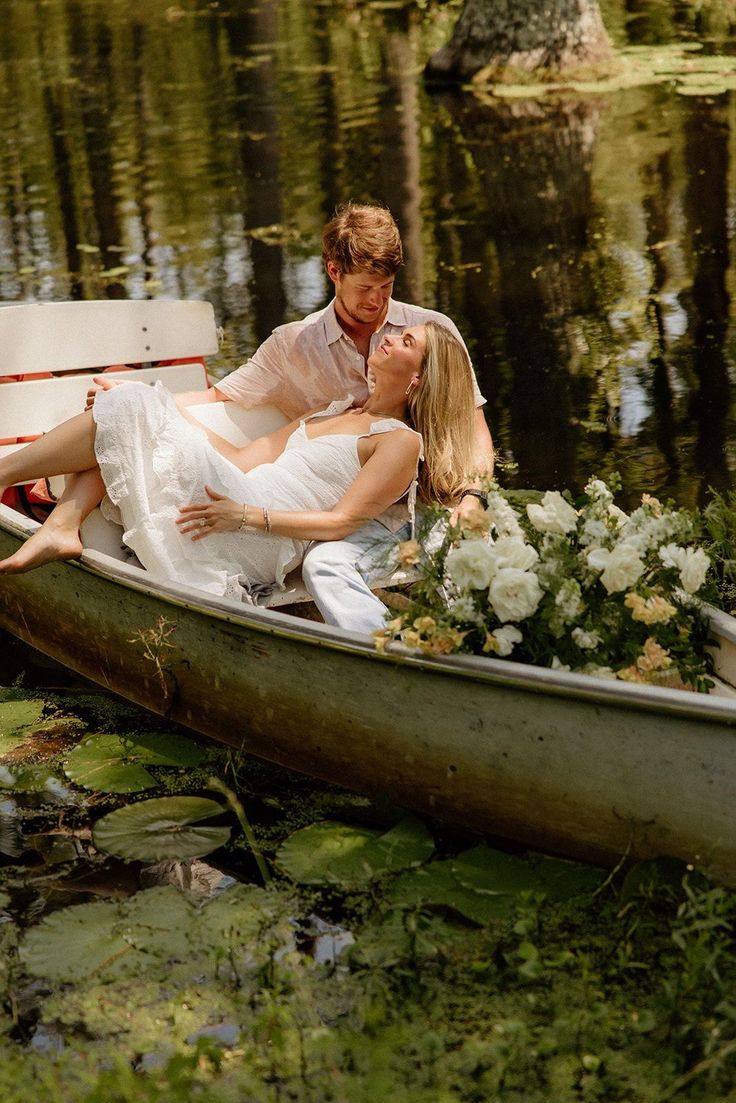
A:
(617, 515)
(598, 491)
(586, 640)
(506, 637)
(553, 515)
(593, 532)
(514, 594)
(693, 569)
(557, 665)
(672, 555)
(512, 552)
(471, 565)
(620, 568)
(569, 600)
(503, 516)
(596, 671)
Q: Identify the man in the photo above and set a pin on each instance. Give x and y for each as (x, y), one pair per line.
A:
(305, 365)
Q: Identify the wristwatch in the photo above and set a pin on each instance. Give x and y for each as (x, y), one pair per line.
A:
(479, 494)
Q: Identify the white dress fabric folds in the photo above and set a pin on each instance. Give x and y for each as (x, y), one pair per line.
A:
(153, 461)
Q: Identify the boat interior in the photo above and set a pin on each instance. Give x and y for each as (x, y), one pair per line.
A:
(53, 351)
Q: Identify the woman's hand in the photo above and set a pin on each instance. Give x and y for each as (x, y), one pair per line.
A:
(220, 514)
(104, 383)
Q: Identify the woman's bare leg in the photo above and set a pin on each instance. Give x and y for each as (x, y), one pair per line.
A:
(67, 449)
(58, 537)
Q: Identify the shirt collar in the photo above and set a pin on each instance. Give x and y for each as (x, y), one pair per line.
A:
(396, 315)
(333, 329)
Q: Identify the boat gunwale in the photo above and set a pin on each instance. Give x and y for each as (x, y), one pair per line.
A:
(499, 672)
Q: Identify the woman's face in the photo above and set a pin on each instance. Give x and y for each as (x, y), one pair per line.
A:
(400, 355)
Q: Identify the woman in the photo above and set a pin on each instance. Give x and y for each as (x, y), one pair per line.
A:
(255, 508)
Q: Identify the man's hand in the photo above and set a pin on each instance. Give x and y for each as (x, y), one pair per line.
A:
(104, 383)
(468, 507)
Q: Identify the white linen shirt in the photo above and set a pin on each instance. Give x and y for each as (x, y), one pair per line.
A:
(305, 365)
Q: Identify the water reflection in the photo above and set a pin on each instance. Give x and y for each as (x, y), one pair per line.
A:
(583, 246)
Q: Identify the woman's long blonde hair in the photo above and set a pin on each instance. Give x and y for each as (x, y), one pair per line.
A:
(442, 409)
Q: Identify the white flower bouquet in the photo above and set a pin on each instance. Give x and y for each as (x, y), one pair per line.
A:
(582, 587)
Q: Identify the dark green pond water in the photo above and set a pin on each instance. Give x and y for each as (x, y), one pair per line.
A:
(583, 246)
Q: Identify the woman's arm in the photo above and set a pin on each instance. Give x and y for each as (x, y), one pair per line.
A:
(383, 479)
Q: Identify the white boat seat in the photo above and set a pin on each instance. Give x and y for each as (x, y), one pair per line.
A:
(37, 405)
(59, 337)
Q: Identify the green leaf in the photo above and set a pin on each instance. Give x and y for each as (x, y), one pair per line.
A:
(113, 763)
(158, 921)
(164, 828)
(73, 943)
(336, 853)
(167, 749)
(16, 718)
(482, 883)
(110, 939)
(27, 779)
(437, 885)
(100, 763)
(158, 933)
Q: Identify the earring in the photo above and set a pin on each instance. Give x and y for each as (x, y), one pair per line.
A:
(413, 384)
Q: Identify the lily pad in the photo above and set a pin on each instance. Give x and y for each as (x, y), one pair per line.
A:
(336, 853)
(29, 779)
(114, 764)
(110, 939)
(16, 718)
(158, 921)
(482, 883)
(166, 827)
(76, 942)
(158, 933)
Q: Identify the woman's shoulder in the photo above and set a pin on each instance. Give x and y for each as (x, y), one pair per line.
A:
(390, 433)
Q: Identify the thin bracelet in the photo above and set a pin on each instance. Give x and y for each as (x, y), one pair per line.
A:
(244, 522)
(266, 520)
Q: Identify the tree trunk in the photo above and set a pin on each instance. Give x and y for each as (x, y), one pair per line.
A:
(508, 39)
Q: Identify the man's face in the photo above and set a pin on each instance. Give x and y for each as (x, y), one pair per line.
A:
(362, 297)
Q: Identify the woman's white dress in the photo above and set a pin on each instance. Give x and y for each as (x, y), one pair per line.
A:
(153, 461)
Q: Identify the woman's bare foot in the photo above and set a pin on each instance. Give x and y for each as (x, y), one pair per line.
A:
(46, 545)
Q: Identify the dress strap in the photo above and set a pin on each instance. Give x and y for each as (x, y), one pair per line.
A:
(388, 424)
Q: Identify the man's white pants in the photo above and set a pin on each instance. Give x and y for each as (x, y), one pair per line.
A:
(339, 574)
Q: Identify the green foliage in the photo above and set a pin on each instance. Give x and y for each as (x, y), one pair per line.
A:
(482, 883)
(115, 764)
(165, 827)
(336, 853)
(217, 1002)
(17, 718)
(719, 536)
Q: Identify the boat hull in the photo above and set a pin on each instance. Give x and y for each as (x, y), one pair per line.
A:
(570, 764)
